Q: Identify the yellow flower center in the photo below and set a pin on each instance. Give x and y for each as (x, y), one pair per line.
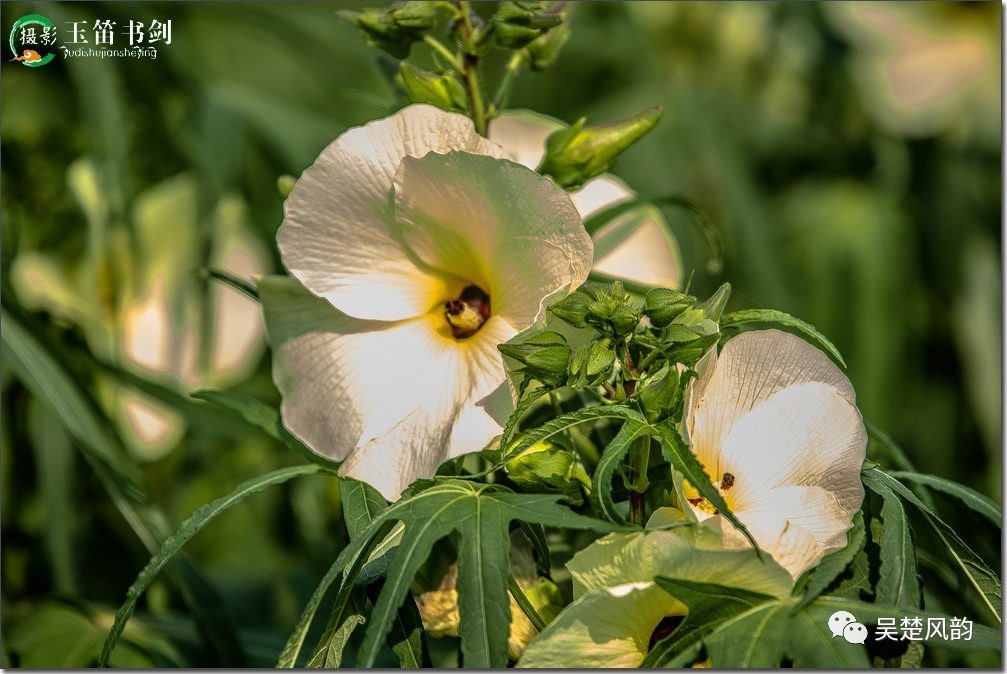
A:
(467, 313)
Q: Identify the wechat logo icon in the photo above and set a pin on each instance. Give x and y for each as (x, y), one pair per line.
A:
(844, 624)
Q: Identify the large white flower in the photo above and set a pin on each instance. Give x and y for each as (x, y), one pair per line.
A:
(421, 249)
(636, 245)
(776, 425)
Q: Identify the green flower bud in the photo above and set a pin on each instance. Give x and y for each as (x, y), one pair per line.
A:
(606, 307)
(544, 50)
(573, 308)
(660, 393)
(576, 154)
(714, 306)
(545, 357)
(591, 364)
(516, 24)
(444, 91)
(625, 319)
(396, 27)
(662, 306)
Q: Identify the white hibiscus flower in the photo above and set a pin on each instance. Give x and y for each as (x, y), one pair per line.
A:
(776, 425)
(420, 249)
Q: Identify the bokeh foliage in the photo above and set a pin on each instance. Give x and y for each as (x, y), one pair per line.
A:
(839, 197)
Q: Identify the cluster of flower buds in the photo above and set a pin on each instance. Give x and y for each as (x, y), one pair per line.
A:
(395, 28)
(606, 307)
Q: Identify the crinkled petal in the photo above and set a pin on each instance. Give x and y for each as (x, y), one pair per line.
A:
(636, 245)
(749, 370)
(336, 236)
(797, 525)
(808, 434)
(393, 400)
(493, 223)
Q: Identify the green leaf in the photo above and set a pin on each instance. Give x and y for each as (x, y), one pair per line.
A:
(826, 571)
(985, 581)
(977, 502)
(265, 418)
(328, 654)
(601, 483)
(55, 460)
(680, 456)
(481, 514)
(407, 638)
(353, 556)
(897, 584)
(519, 411)
(189, 528)
(568, 421)
(362, 504)
(709, 604)
(43, 375)
(51, 635)
(756, 317)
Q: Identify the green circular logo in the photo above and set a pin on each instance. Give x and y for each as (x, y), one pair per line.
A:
(32, 39)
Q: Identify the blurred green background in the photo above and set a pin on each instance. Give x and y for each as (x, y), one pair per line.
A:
(848, 154)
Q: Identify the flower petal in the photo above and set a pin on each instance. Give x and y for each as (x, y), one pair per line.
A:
(608, 627)
(618, 559)
(335, 236)
(391, 400)
(749, 370)
(808, 434)
(493, 223)
(797, 525)
(522, 134)
(635, 246)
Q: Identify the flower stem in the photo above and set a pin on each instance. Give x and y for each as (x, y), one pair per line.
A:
(517, 60)
(469, 70)
(442, 51)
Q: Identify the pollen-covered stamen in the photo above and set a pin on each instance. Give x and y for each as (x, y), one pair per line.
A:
(467, 314)
(726, 482)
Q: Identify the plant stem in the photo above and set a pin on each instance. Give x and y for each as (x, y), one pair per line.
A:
(470, 65)
(639, 460)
